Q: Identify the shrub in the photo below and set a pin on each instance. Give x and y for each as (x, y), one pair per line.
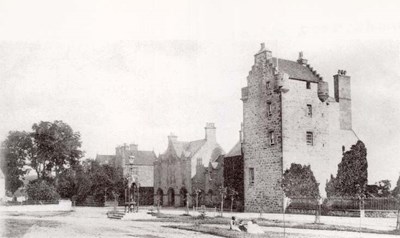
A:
(41, 190)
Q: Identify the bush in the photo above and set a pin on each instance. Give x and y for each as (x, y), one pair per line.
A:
(41, 190)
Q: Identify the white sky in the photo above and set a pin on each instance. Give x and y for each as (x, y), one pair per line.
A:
(129, 71)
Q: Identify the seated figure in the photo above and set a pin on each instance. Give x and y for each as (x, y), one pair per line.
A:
(233, 226)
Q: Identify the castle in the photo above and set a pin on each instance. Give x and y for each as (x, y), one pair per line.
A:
(289, 117)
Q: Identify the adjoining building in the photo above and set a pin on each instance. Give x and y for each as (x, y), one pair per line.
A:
(137, 163)
(289, 117)
(182, 169)
(233, 175)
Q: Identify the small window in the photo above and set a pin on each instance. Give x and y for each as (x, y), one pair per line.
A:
(251, 176)
(308, 85)
(199, 161)
(271, 138)
(268, 85)
(309, 110)
(310, 138)
(269, 108)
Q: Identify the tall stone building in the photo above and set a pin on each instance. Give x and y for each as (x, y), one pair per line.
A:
(289, 117)
(182, 168)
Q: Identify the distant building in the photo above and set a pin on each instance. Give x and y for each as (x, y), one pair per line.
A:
(182, 169)
(105, 159)
(142, 168)
(289, 117)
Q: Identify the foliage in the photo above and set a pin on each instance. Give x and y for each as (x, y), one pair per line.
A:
(352, 176)
(16, 150)
(57, 148)
(299, 181)
(396, 190)
(41, 190)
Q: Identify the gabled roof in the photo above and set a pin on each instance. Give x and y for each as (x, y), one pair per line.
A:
(105, 159)
(187, 148)
(235, 151)
(142, 158)
(296, 70)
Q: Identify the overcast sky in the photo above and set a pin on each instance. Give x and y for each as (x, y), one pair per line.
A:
(129, 71)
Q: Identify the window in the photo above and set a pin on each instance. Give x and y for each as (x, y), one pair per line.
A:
(268, 85)
(308, 85)
(251, 176)
(269, 109)
(309, 110)
(199, 161)
(271, 138)
(310, 138)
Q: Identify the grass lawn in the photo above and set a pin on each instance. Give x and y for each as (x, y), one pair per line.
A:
(198, 221)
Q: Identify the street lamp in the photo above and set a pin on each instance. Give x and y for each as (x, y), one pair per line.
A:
(130, 180)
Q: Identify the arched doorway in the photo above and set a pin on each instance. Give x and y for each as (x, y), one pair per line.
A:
(183, 194)
(160, 196)
(171, 197)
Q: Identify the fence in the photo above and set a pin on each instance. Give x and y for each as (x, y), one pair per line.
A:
(32, 202)
(341, 204)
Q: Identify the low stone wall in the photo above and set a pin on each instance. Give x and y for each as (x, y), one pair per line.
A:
(63, 205)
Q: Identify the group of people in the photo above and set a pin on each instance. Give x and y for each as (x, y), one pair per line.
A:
(251, 227)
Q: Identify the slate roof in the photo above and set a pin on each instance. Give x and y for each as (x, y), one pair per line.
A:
(105, 159)
(235, 151)
(296, 70)
(187, 148)
(143, 158)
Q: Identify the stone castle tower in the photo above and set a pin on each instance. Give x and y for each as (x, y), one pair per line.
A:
(288, 117)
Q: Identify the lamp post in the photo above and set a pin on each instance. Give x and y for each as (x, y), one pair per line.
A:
(130, 180)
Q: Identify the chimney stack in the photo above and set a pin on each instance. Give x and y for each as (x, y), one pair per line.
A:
(263, 54)
(343, 97)
(301, 60)
(210, 132)
(133, 147)
(172, 138)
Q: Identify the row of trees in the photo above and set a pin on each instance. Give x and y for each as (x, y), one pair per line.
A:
(49, 149)
(53, 151)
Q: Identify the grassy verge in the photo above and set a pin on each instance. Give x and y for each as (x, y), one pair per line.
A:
(217, 231)
(197, 221)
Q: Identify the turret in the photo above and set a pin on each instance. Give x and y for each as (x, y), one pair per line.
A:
(323, 90)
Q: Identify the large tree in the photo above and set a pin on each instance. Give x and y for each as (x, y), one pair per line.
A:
(299, 181)
(352, 176)
(17, 149)
(57, 146)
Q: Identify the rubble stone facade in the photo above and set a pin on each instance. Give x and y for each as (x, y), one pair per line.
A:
(288, 117)
(183, 168)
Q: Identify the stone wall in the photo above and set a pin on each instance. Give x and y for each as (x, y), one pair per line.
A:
(296, 122)
(265, 159)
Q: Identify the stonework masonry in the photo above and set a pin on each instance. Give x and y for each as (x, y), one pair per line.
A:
(288, 117)
(183, 168)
